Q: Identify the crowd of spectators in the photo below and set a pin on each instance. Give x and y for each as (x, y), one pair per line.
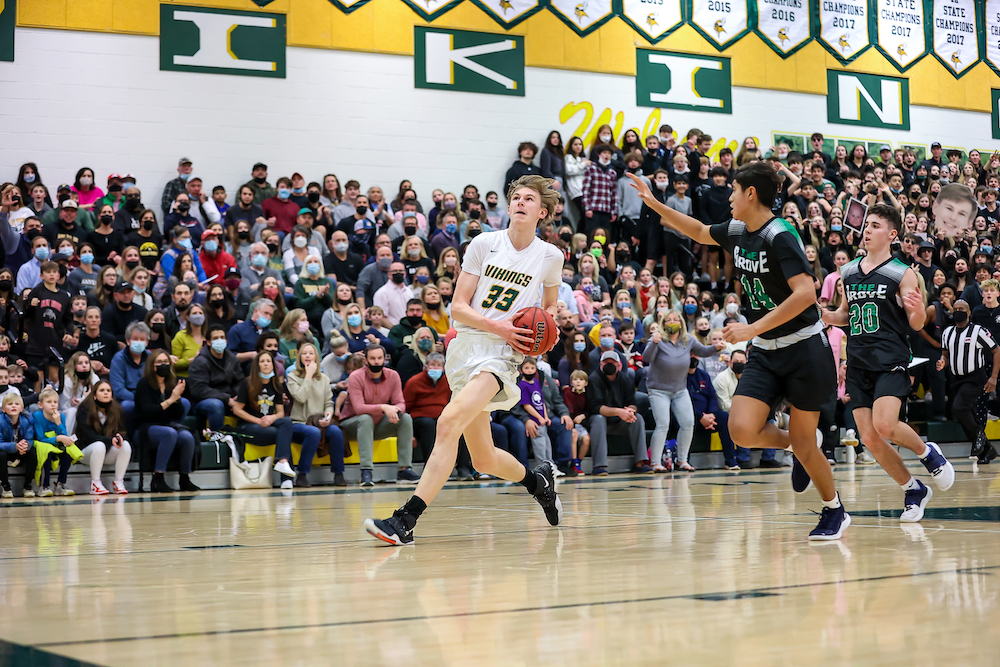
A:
(318, 313)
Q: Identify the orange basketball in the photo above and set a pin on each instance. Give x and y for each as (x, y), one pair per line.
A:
(541, 325)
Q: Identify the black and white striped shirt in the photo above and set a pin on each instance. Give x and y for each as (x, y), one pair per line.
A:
(967, 348)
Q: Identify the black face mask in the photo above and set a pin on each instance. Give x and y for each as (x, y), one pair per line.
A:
(960, 272)
(32, 234)
(109, 288)
(362, 210)
(414, 321)
(473, 233)
(409, 231)
(114, 189)
(244, 235)
(609, 369)
(738, 367)
(132, 263)
(102, 404)
(133, 203)
(106, 219)
(621, 256)
(446, 298)
(272, 248)
(184, 208)
(158, 327)
(375, 368)
(398, 278)
(566, 237)
(474, 214)
(148, 225)
(344, 302)
(217, 303)
(259, 181)
(960, 316)
(163, 370)
(528, 376)
(693, 363)
(5, 285)
(313, 197)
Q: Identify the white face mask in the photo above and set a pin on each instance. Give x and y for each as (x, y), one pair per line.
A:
(300, 242)
(662, 185)
(86, 180)
(605, 138)
(605, 161)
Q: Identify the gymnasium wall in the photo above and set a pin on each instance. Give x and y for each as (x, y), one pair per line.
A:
(92, 93)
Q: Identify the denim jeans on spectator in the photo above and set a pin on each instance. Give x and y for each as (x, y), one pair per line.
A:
(364, 430)
(662, 402)
(425, 432)
(561, 442)
(600, 427)
(128, 407)
(214, 412)
(309, 437)
(722, 428)
(517, 439)
(166, 439)
(279, 433)
(335, 440)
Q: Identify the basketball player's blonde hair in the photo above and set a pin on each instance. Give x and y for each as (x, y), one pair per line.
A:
(543, 186)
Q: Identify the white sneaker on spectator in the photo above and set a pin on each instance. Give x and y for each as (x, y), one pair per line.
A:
(287, 484)
(865, 458)
(284, 469)
(98, 489)
(61, 490)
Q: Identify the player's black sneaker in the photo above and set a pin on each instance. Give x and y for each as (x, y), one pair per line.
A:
(547, 474)
(800, 478)
(833, 521)
(395, 530)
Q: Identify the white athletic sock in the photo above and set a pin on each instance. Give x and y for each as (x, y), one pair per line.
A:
(912, 485)
(926, 453)
(832, 504)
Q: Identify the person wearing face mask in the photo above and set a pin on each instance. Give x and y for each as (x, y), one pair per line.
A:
(106, 241)
(84, 187)
(725, 384)
(298, 252)
(128, 216)
(313, 291)
(629, 206)
(177, 185)
(447, 235)
(118, 316)
(415, 352)
(373, 277)
(611, 406)
(731, 311)
(600, 188)
(394, 296)
(402, 333)
(426, 394)
(256, 269)
(115, 197)
(306, 220)
(181, 218)
(30, 275)
(127, 367)
(281, 208)
(214, 260)
(67, 226)
(215, 375)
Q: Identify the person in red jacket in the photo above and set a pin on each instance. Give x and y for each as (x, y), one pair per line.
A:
(281, 208)
(214, 260)
(425, 395)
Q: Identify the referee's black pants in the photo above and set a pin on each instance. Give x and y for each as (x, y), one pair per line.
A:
(968, 390)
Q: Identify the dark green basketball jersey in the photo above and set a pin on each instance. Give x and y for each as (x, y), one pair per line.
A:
(878, 332)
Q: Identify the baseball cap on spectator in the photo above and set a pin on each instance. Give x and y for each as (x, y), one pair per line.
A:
(70, 203)
(232, 272)
(363, 225)
(925, 245)
(64, 186)
(305, 210)
(610, 355)
(111, 177)
(984, 251)
(297, 175)
(232, 278)
(259, 165)
(209, 233)
(183, 161)
(885, 147)
(194, 178)
(936, 145)
(123, 285)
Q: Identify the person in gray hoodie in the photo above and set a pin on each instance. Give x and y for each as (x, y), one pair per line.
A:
(668, 357)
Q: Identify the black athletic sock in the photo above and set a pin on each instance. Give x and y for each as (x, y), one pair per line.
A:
(530, 481)
(412, 510)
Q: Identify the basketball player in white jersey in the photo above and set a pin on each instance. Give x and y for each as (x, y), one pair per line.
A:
(502, 273)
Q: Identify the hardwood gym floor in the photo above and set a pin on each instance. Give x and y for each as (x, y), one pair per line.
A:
(710, 569)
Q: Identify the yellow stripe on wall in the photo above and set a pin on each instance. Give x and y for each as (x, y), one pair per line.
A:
(386, 26)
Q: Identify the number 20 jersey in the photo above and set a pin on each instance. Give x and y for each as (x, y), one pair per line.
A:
(878, 326)
(509, 280)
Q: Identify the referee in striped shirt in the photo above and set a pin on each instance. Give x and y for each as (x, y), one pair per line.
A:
(965, 346)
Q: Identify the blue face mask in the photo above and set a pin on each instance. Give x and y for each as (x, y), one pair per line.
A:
(342, 358)
(579, 347)
(126, 185)
(263, 322)
(354, 320)
(266, 376)
(435, 373)
(450, 228)
(137, 346)
(211, 246)
(607, 342)
(185, 177)
(425, 345)
(312, 269)
(184, 243)
(835, 228)
(66, 252)
(298, 191)
(422, 279)
(690, 308)
(284, 193)
(622, 305)
(219, 345)
(41, 253)
(87, 258)
(260, 260)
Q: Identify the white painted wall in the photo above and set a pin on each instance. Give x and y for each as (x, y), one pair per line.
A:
(72, 99)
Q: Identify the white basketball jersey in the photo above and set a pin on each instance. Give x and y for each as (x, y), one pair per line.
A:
(509, 280)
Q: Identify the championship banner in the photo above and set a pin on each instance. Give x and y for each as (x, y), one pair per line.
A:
(653, 19)
(583, 16)
(843, 28)
(348, 6)
(900, 31)
(992, 36)
(508, 13)
(956, 36)
(784, 25)
(429, 10)
(721, 22)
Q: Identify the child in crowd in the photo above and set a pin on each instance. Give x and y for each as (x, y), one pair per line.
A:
(53, 444)
(17, 448)
(16, 379)
(379, 323)
(5, 387)
(717, 362)
(353, 363)
(80, 378)
(534, 404)
(575, 397)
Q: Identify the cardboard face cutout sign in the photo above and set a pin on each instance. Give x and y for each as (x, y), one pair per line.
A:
(954, 210)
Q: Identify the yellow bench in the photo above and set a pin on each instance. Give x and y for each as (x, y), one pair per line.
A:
(385, 452)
